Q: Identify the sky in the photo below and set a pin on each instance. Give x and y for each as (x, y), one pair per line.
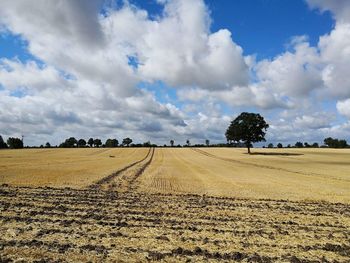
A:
(161, 70)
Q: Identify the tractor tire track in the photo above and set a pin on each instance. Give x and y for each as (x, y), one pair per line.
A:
(142, 169)
(106, 180)
(255, 165)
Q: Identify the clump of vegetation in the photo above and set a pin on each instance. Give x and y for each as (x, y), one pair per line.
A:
(14, 143)
(335, 143)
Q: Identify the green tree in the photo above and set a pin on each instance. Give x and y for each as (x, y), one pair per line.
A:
(329, 141)
(127, 141)
(299, 145)
(315, 145)
(146, 144)
(97, 142)
(279, 145)
(207, 142)
(172, 143)
(335, 143)
(91, 142)
(112, 143)
(270, 145)
(47, 145)
(81, 143)
(342, 144)
(71, 142)
(188, 142)
(3, 145)
(15, 143)
(248, 128)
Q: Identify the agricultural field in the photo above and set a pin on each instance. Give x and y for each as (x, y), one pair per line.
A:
(175, 204)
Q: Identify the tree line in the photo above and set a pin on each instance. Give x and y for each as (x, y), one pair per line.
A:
(246, 129)
(110, 143)
(12, 143)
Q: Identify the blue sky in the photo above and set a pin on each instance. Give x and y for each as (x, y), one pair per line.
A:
(185, 68)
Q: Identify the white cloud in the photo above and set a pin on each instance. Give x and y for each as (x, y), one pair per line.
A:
(80, 81)
(340, 8)
(343, 107)
(292, 73)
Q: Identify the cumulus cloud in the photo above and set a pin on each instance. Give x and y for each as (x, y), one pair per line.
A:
(340, 8)
(292, 73)
(84, 68)
(343, 107)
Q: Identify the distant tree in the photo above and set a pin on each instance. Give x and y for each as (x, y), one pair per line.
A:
(315, 145)
(270, 145)
(41, 146)
(3, 145)
(172, 143)
(307, 145)
(63, 145)
(335, 143)
(147, 144)
(111, 143)
(14, 143)
(279, 145)
(47, 145)
(91, 142)
(71, 142)
(288, 146)
(342, 144)
(328, 141)
(81, 143)
(188, 143)
(247, 127)
(127, 141)
(299, 145)
(207, 142)
(97, 142)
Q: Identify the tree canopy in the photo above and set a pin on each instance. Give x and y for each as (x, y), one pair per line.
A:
(335, 143)
(2, 143)
(111, 143)
(248, 128)
(127, 141)
(81, 143)
(97, 142)
(91, 142)
(15, 143)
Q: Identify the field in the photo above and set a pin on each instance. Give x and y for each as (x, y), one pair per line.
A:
(170, 204)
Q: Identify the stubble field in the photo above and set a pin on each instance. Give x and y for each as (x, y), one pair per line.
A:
(170, 204)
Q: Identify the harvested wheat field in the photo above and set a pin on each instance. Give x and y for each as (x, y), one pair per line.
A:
(175, 205)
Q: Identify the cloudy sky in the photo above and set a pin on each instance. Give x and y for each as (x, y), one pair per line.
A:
(173, 69)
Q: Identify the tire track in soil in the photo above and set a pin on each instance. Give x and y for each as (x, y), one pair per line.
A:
(139, 172)
(106, 180)
(259, 165)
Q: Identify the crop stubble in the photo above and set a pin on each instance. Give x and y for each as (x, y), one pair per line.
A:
(180, 205)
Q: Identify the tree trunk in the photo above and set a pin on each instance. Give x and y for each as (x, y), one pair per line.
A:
(248, 149)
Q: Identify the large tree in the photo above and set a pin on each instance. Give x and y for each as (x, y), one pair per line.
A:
(91, 142)
(112, 143)
(14, 143)
(127, 141)
(335, 143)
(248, 128)
(81, 143)
(71, 142)
(97, 142)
